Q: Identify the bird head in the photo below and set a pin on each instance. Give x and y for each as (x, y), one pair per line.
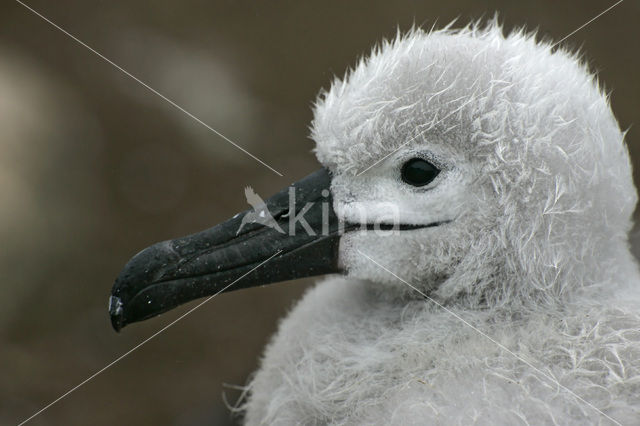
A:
(528, 177)
(474, 166)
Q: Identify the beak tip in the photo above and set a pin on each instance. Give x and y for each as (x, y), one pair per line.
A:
(116, 313)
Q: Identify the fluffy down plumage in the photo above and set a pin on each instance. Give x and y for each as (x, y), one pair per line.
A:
(537, 184)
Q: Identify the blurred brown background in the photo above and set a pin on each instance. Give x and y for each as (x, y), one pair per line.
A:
(94, 167)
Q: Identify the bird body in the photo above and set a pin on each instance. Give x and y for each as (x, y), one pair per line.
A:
(532, 308)
(346, 355)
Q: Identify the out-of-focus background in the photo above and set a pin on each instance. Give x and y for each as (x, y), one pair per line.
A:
(94, 167)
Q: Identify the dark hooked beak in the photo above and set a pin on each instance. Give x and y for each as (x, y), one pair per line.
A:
(286, 237)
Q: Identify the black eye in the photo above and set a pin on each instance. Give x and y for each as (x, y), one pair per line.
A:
(419, 172)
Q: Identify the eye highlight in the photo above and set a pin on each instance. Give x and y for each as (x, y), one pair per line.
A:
(418, 172)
